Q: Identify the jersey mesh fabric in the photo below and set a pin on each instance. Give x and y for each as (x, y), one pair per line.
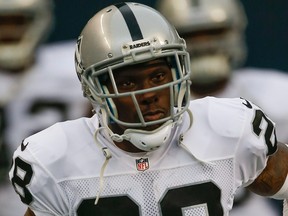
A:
(150, 190)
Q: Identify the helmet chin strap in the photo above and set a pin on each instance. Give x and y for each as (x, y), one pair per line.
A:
(141, 139)
(146, 140)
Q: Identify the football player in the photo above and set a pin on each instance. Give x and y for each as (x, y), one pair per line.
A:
(31, 75)
(148, 150)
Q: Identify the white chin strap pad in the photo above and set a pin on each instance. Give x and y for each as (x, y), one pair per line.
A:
(147, 140)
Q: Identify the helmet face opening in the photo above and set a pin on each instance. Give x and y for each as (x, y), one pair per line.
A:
(13, 27)
(144, 94)
(24, 25)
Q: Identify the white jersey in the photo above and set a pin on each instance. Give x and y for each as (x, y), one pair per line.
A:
(57, 171)
(47, 93)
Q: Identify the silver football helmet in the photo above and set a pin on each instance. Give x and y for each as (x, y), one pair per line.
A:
(23, 25)
(214, 33)
(126, 34)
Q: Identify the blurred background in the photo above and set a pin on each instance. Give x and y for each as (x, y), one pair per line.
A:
(266, 38)
(266, 33)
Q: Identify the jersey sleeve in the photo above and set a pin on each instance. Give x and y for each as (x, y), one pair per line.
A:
(257, 142)
(34, 184)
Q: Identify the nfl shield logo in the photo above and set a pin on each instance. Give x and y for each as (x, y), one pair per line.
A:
(142, 164)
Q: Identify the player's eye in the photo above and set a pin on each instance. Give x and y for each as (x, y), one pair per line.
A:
(159, 76)
(126, 85)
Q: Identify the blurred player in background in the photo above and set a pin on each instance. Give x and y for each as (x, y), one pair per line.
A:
(214, 33)
(37, 86)
(23, 26)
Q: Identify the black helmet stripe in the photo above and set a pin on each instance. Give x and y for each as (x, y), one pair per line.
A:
(130, 20)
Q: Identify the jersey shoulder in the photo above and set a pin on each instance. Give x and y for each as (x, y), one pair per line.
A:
(235, 130)
(230, 122)
(51, 148)
(50, 158)
(224, 116)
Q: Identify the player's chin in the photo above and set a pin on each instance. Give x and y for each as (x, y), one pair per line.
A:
(152, 127)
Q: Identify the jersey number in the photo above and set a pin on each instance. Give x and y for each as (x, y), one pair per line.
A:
(269, 133)
(193, 198)
(22, 175)
(173, 202)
